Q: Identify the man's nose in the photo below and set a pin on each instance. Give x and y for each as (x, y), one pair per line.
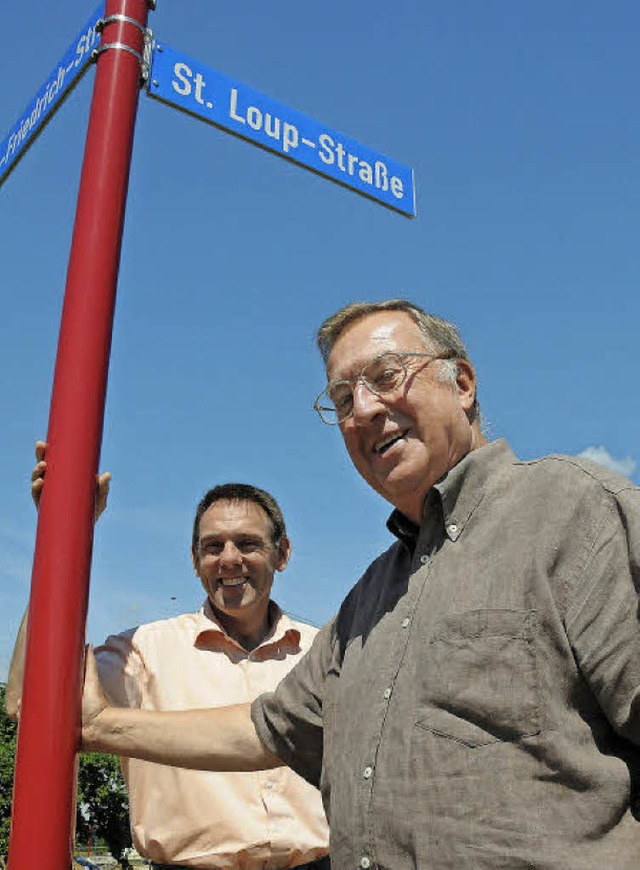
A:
(366, 403)
(230, 554)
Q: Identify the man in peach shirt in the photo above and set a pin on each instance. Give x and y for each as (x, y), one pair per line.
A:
(238, 645)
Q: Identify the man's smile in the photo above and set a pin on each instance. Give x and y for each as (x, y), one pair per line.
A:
(381, 446)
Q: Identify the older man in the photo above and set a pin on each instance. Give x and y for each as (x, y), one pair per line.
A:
(476, 701)
(238, 645)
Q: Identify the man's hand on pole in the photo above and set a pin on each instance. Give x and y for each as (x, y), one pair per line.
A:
(37, 479)
(16, 669)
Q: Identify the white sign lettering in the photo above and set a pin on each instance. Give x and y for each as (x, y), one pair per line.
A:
(228, 104)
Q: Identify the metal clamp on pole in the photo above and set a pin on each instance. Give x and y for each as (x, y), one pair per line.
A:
(148, 55)
(101, 23)
(144, 60)
(95, 54)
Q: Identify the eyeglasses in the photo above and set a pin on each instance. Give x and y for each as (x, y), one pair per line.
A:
(381, 375)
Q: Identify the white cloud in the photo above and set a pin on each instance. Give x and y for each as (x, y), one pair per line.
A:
(602, 456)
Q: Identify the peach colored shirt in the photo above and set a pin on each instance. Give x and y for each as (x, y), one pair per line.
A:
(267, 819)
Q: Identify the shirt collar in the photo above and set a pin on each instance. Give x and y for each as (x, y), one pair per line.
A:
(403, 528)
(282, 632)
(459, 492)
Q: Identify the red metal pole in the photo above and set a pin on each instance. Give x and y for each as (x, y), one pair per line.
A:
(44, 791)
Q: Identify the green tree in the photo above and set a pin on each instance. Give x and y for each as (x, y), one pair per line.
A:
(8, 731)
(102, 805)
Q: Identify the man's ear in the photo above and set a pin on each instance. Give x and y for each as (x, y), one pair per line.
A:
(466, 385)
(283, 552)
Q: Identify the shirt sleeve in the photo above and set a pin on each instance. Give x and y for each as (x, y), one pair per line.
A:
(121, 670)
(603, 620)
(289, 720)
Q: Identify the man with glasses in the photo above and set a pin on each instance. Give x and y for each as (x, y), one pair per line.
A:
(236, 646)
(475, 703)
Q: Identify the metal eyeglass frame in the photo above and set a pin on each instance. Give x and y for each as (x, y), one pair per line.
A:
(401, 355)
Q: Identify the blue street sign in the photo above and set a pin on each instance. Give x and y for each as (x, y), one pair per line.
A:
(64, 76)
(205, 93)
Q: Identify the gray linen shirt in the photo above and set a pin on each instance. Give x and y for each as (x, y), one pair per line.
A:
(476, 701)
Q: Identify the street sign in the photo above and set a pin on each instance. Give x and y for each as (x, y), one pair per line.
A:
(201, 91)
(63, 78)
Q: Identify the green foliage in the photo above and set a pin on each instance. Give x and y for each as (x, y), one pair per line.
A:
(102, 806)
(8, 731)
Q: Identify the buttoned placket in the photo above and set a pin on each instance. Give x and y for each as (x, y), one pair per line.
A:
(269, 784)
(419, 574)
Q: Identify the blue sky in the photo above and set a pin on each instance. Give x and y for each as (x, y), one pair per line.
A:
(520, 120)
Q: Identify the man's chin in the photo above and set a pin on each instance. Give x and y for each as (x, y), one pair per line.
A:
(230, 603)
(403, 492)
(391, 482)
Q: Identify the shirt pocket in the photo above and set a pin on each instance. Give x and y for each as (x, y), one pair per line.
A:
(479, 678)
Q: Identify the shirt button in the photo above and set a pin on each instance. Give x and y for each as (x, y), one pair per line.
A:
(268, 784)
(365, 862)
(386, 694)
(452, 529)
(424, 559)
(366, 773)
(405, 622)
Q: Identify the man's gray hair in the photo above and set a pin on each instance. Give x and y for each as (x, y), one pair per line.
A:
(439, 335)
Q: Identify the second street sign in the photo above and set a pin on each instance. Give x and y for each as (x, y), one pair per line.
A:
(206, 93)
(61, 81)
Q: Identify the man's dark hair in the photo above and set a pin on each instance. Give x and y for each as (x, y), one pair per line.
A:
(239, 492)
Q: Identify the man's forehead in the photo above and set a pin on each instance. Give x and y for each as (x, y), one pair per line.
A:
(228, 515)
(371, 335)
